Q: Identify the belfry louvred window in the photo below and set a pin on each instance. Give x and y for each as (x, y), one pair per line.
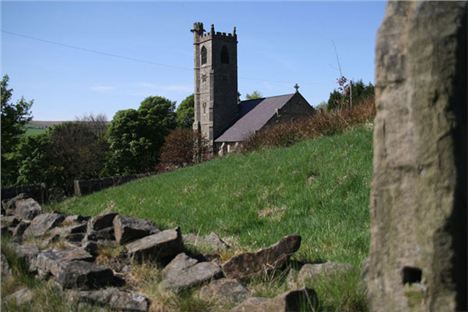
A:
(203, 55)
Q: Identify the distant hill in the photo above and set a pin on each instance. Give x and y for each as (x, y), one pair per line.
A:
(43, 123)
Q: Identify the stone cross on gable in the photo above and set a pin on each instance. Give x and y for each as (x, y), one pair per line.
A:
(296, 86)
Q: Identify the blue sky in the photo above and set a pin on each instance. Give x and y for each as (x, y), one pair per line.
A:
(280, 43)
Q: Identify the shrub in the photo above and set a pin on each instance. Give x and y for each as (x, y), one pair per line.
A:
(321, 123)
(66, 152)
(136, 136)
(183, 147)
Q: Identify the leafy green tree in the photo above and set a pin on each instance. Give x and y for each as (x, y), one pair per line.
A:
(76, 152)
(185, 112)
(34, 161)
(14, 118)
(254, 95)
(136, 136)
(341, 98)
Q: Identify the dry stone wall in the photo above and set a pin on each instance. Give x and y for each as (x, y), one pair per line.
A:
(67, 249)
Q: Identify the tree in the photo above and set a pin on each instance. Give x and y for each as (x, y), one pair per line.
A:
(75, 152)
(341, 98)
(136, 136)
(96, 123)
(254, 95)
(14, 118)
(185, 112)
(34, 161)
(182, 148)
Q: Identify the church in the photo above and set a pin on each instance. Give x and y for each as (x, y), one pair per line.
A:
(220, 116)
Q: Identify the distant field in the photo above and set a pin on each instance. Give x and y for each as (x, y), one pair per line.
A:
(35, 127)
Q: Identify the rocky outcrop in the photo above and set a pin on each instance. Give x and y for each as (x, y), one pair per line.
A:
(225, 291)
(184, 272)
(84, 258)
(128, 229)
(86, 275)
(21, 296)
(159, 247)
(6, 271)
(43, 223)
(27, 208)
(310, 272)
(52, 261)
(26, 253)
(291, 301)
(253, 263)
(211, 242)
(113, 298)
(418, 250)
(72, 233)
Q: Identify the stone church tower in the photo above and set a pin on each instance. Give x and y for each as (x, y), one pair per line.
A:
(215, 96)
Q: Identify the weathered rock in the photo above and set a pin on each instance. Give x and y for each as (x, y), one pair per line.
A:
(254, 304)
(27, 208)
(225, 291)
(101, 221)
(52, 261)
(10, 204)
(182, 275)
(91, 247)
(105, 234)
(253, 263)
(6, 272)
(291, 301)
(179, 263)
(26, 253)
(8, 223)
(418, 198)
(212, 242)
(21, 296)
(159, 246)
(74, 219)
(128, 229)
(43, 223)
(85, 275)
(73, 233)
(19, 230)
(112, 298)
(310, 272)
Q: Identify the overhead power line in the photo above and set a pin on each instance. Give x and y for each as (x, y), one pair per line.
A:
(133, 59)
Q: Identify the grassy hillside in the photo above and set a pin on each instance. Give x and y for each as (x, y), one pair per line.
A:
(317, 188)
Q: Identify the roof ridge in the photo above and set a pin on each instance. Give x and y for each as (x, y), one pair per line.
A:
(268, 97)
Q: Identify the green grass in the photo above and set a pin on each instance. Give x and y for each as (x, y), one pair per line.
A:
(317, 188)
(46, 296)
(31, 130)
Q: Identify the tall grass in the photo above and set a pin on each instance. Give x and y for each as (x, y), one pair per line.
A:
(320, 124)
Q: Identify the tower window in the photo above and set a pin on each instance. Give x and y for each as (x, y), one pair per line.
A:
(203, 55)
(224, 55)
(204, 108)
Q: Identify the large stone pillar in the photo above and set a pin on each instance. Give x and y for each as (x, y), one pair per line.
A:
(418, 252)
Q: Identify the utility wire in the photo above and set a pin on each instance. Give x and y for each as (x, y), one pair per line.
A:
(95, 51)
(133, 59)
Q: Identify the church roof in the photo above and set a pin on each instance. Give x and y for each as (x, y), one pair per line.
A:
(254, 115)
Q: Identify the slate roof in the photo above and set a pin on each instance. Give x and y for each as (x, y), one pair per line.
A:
(254, 114)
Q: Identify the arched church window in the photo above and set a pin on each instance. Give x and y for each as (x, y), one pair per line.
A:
(203, 55)
(224, 55)
(204, 108)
